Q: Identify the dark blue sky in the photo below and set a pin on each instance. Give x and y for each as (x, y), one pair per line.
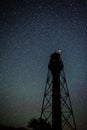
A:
(30, 30)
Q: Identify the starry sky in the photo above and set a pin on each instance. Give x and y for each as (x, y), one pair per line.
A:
(30, 31)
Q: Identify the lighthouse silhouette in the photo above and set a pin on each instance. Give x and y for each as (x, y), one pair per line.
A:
(56, 107)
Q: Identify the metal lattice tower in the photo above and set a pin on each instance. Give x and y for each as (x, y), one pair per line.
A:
(56, 106)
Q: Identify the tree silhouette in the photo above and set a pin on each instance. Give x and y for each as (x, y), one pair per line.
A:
(33, 123)
(39, 124)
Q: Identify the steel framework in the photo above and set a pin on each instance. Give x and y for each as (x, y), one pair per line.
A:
(67, 117)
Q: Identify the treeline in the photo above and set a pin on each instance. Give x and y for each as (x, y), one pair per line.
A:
(33, 124)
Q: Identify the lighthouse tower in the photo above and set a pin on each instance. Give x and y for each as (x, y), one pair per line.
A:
(56, 107)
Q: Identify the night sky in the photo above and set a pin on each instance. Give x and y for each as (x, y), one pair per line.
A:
(30, 31)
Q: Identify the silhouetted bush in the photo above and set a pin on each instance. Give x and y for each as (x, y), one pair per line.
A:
(39, 124)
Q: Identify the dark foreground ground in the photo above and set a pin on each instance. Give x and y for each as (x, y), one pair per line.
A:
(11, 128)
